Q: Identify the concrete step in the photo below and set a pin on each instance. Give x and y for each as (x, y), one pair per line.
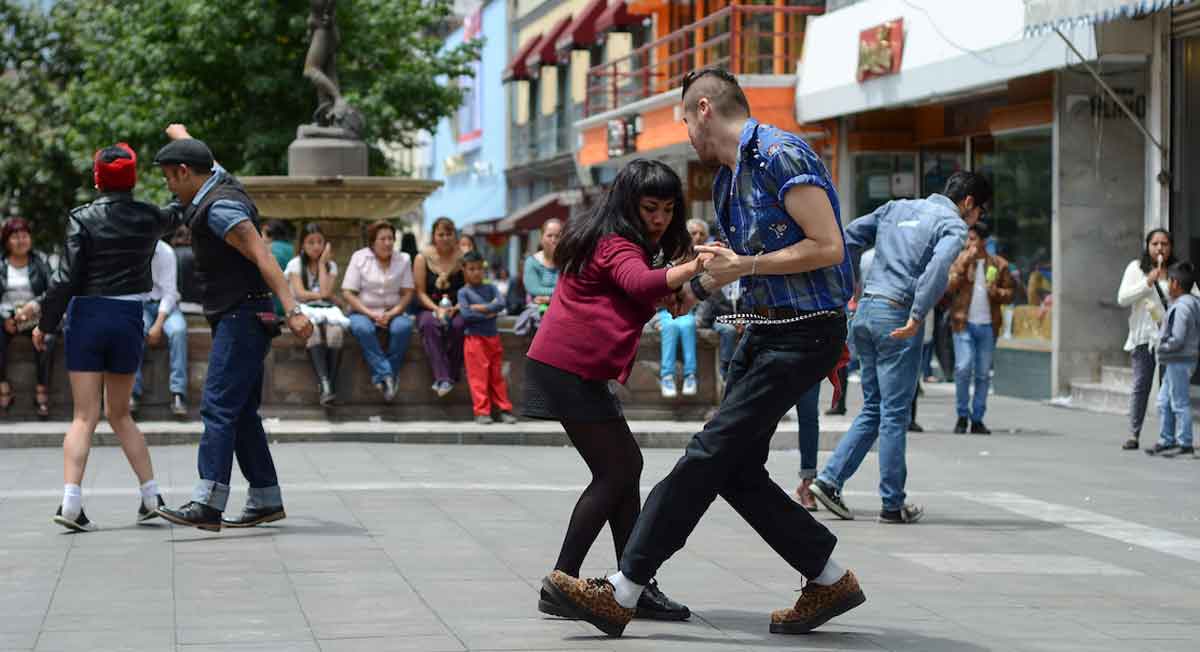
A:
(1099, 397)
(1114, 376)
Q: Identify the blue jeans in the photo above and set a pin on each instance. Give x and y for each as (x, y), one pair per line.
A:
(1175, 404)
(889, 382)
(399, 334)
(175, 330)
(727, 338)
(229, 410)
(810, 430)
(681, 329)
(927, 359)
(973, 349)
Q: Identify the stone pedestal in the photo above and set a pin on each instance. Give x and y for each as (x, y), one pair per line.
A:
(327, 157)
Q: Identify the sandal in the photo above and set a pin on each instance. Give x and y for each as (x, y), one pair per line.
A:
(6, 397)
(43, 404)
(1130, 444)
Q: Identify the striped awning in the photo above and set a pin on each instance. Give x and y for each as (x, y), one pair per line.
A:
(1043, 16)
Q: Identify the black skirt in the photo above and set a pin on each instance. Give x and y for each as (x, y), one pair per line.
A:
(557, 395)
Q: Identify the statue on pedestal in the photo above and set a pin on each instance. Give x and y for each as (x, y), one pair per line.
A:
(334, 118)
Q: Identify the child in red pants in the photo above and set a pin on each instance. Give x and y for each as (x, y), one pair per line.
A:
(479, 303)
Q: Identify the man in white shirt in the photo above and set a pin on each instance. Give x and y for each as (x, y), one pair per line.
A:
(164, 319)
(979, 284)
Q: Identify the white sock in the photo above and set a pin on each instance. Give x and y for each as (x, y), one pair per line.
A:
(149, 492)
(625, 590)
(830, 575)
(72, 503)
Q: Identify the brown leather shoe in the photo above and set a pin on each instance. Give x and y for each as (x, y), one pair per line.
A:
(817, 605)
(591, 600)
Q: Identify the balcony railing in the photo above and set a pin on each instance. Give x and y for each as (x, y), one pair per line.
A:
(744, 39)
(545, 136)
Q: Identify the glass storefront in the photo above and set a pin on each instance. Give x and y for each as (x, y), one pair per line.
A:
(1019, 166)
(882, 177)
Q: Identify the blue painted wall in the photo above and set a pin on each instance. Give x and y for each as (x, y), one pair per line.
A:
(479, 192)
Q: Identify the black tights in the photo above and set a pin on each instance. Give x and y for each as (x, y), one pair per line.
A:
(613, 496)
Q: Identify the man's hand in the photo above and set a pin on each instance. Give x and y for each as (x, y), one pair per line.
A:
(300, 326)
(909, 330)
(723, 264)
(176, 131)
(10, 326)
(26, 312)
(39, 340)
(481, 308)
(155, 336)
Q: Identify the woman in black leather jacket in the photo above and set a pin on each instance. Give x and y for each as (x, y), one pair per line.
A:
(100, 287)
(24, 277)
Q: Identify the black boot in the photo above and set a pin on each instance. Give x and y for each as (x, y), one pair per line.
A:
(318, 355)
(334, 359)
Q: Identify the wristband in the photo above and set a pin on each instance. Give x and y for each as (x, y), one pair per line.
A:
(698, 288)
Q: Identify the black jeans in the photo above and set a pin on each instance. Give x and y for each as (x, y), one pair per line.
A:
(771, 369)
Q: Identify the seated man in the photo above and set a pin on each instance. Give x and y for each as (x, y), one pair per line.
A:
(163, 318)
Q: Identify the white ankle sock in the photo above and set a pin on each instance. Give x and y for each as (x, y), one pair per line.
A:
(830, 575)
(72, 503)
(149, 492)
(625, 590)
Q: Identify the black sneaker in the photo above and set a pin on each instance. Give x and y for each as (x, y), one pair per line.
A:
(906, 514)
(915, 427)
(80, 524)
(1179, 450)
(1160, 448)
(256, 516)
(550, 605)
(193, 514)
(960, 428)
(831, 498)
(144, 514)
(179, 406)
(977, 428)
(655, 605)
(1130, 444)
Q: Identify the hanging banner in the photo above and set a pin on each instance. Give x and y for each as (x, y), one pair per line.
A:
(469, 118)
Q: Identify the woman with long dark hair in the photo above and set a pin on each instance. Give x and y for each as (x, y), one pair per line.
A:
(612, 275)
(25, 275)
(1144, 291)
(311, 276)
(439, 276)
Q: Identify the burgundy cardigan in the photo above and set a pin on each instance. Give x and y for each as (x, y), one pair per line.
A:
(596, 316)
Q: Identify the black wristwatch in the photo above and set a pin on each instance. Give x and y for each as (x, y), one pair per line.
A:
(698, 289)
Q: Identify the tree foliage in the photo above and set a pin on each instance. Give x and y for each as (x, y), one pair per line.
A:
(86, 73)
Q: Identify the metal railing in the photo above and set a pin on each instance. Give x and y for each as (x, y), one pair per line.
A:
(744, 39)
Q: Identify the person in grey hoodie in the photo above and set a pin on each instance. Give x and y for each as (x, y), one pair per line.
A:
(1178, 353)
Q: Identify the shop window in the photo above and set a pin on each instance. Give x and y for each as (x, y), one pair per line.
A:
(937, 166)
(882, 177)
(1018, 166)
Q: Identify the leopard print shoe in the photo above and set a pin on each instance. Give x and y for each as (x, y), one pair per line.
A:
(591, 600)
(817, 605)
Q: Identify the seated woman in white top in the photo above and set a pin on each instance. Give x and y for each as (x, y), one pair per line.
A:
(311, 276)
(379, 286)
(24, 276)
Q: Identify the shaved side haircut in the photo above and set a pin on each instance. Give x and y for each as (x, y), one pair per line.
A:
(721, 89)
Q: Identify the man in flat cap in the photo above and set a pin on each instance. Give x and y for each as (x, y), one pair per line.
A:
(238, 275)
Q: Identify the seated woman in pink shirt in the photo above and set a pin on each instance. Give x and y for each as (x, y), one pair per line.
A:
(606, 292)
(378, 288)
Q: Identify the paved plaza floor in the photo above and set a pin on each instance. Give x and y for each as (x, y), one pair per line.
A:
(1044, 536)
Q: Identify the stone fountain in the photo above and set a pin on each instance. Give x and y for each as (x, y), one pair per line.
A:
(327, 178)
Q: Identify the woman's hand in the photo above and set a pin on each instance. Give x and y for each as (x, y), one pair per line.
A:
(39, 340)
(326, 254)
(381, 318)
(723, 264)
(26, 312)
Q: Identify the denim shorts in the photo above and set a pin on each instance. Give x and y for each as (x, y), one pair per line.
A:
(104, 335)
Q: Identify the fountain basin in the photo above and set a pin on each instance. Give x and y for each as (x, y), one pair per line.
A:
(337, 198)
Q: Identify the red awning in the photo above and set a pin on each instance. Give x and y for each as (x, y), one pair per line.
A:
(516, 68)
(532, 216)
(581, 33)
(617, 16)
(543, 54)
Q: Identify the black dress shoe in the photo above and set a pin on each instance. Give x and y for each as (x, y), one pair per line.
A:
(256, 516)
(144, 514)
(655, 605)
(960, 427)
(915, 427)
(977, 428)
(193, 514)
